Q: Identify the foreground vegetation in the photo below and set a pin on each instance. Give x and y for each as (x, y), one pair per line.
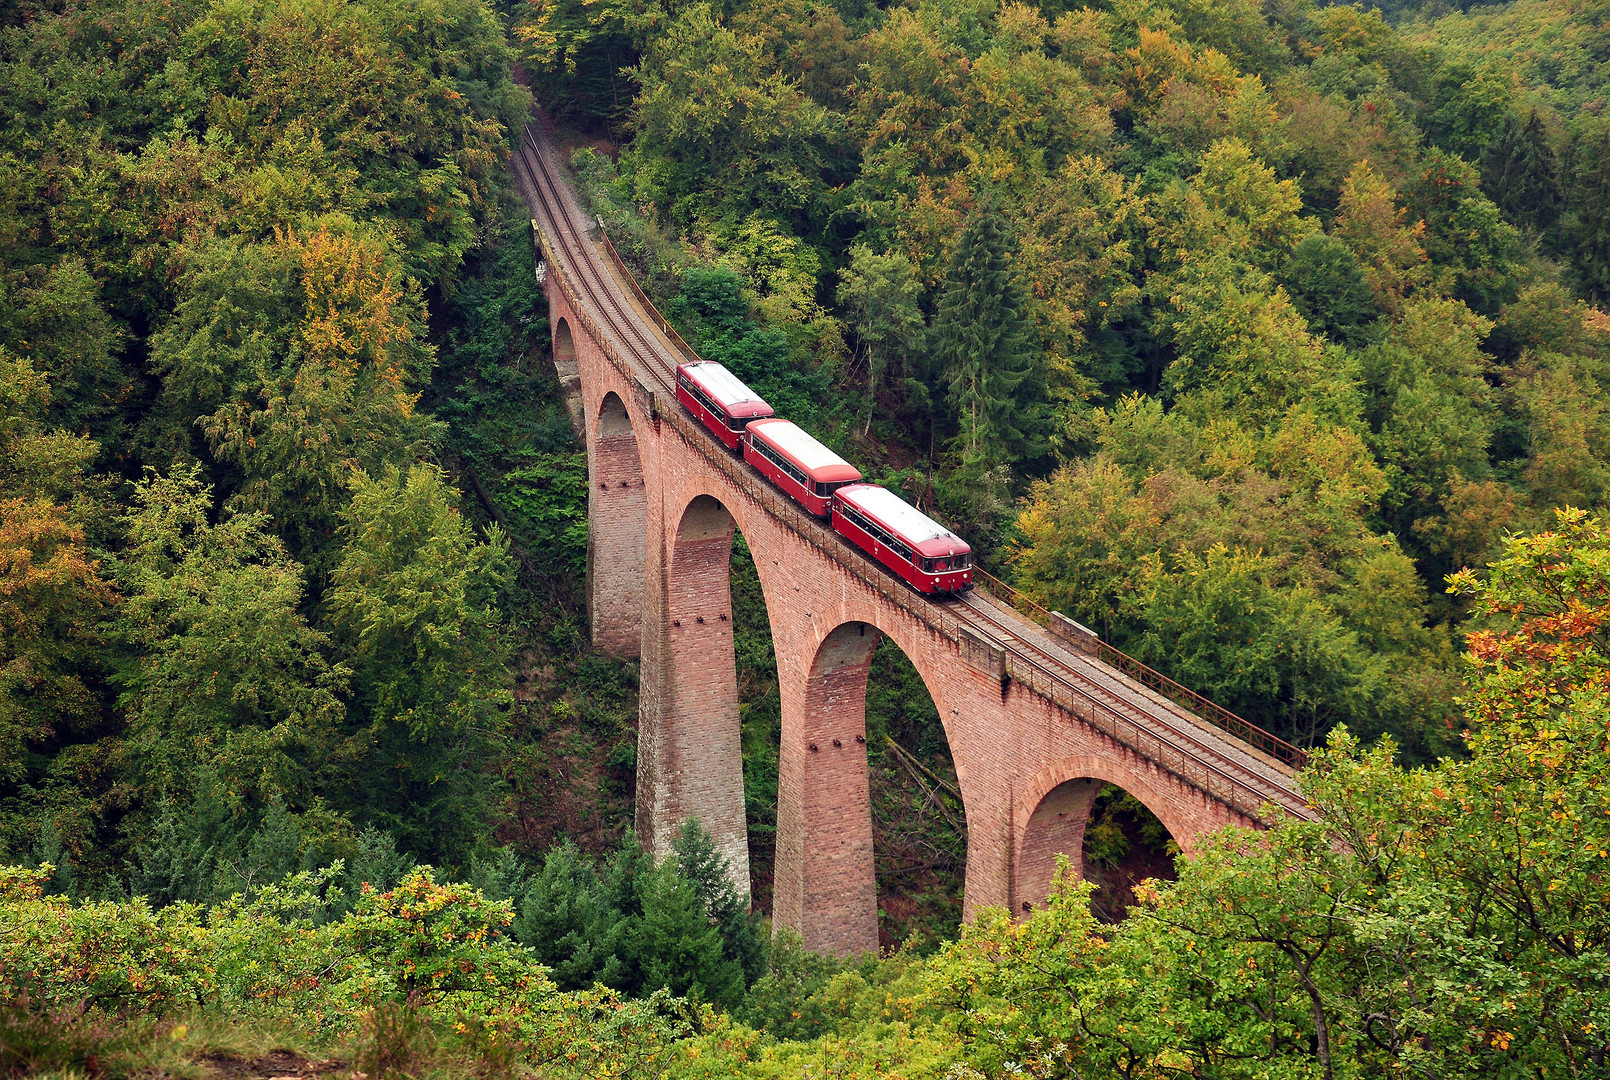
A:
(1444, 921)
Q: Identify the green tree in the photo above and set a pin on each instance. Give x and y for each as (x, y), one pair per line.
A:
(984, 353)
(413, 604)
(1469, 107)
(1477, 255)
(59, 325)
(718, 131)
(1278, 656)
(38, 462)
(881, 294)
(1585, 226)
(298, 361)
(566, 920)
(1329, 289)
(227, 675)
(639, 927)
(1521, 172)
(709, 872)
(1433, 407)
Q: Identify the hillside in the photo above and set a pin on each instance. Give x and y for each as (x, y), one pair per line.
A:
(1235, 331)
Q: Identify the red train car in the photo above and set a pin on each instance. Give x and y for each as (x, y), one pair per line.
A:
(797, 463)
(929, 556)
(719, 399)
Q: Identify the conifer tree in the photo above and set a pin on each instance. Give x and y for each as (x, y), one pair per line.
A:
(1585, 228)
(881, 293)
(1521, 173)
(984, 353)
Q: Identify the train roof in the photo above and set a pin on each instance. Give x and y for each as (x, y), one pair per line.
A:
(912, 525)
(727, 389)
(801, 447)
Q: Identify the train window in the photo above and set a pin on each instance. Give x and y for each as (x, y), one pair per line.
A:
(700, 396)
(737, 423)
(782, 463)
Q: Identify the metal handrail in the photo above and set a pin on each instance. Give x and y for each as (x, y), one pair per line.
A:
(630, 278)
(1215, 714)
(1150, 744)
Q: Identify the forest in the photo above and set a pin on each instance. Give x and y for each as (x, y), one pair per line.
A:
(1268, 339)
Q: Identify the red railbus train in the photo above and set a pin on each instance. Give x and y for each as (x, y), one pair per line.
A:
(793, 460)
(926, 554)
(921, 551)
(719, 399)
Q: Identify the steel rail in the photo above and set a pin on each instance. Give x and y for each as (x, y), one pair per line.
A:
(1197, 754)
(586, 273)
(1110, 716)
(1214, 713)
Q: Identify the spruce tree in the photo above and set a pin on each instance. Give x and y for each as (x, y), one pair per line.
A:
(1585, 228)
(1521, 173)
(709, 872)
(991, 369)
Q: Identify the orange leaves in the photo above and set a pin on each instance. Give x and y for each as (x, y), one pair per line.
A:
(44, 569)
(351, 301)
(1155, 62)
(1369, 220)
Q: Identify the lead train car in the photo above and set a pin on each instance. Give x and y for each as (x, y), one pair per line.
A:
(927, 555)
(792, 459)
(719, 399)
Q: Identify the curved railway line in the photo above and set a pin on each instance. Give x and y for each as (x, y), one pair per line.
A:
(1144, 714)
(1170, 736)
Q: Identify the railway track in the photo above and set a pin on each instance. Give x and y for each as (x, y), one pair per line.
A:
(533, 164)
(1212, 761)
(1256, 779)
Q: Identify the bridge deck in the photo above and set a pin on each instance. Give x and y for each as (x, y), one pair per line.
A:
(1207, 757)
(1022, 637)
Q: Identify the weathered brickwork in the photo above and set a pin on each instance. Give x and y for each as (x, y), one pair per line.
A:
(825, 884)
(658, 582)
(616, 502)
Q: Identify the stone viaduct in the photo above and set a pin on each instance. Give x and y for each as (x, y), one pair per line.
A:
(1037, 717)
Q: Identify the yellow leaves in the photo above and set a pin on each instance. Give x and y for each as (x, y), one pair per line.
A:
(351, 299)
(1370, 222)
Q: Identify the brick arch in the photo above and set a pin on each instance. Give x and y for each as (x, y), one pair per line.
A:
(826, 880)
(564, 342)
(1055, 809)
(926, 653)
(617, 512)
(755, 529)
(613, 419)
